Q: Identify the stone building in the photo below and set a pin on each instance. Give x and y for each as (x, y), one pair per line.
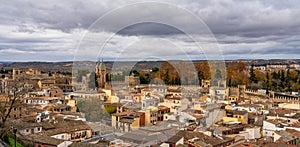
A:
(100, 75)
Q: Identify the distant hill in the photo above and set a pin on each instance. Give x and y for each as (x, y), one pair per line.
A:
(146, 65)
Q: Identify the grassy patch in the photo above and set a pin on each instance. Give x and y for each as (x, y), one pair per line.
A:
(11, 142)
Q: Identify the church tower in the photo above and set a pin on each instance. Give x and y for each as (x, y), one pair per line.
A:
(100, 74)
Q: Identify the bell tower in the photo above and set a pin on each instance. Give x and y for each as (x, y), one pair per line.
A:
(100, 74)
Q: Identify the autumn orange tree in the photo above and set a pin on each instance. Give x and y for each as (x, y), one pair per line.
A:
(203, 70)
(237, 74)
(168, 73)
(183, 72)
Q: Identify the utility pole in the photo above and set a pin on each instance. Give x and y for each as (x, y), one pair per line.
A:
(15, 134)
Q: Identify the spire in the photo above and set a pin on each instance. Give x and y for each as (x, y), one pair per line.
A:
(101, 64)
(98, 63)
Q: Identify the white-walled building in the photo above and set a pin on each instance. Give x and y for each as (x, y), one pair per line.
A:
(251, 133)
(270, 126)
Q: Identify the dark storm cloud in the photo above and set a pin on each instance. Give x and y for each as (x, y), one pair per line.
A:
(241, 27)
(152, 29)
(56, 14)
(242, 18)
(279, 50)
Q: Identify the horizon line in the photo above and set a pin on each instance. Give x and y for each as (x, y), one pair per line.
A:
(143, 60)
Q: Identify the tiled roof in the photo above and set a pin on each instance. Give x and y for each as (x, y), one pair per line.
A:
(200, 138)
(68, 126)
(44, 139)
(161, 107)
(279, 112)
(276, 121)
(171, 97)
(237, 112)
(128, 113)
(285, 136)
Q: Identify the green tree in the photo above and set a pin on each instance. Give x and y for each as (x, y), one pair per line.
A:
(268, 82)
(177, 81)
(135, 73)
(200, 77)
(282, 79)
(288, 81)
(275, 75)
(155, 69)
(229, 82)
(275, 81)
(172, 82)
(110, 109)
(252, 77)
(144, 78)
(166, 77)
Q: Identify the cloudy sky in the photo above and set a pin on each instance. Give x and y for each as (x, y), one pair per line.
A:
(58, 30)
